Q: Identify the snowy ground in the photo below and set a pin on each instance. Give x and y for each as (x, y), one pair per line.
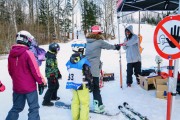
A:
(143, 101)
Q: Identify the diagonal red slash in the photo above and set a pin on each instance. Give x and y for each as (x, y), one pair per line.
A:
(170, 37)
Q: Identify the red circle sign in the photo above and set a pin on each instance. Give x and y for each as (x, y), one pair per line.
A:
(165, 35)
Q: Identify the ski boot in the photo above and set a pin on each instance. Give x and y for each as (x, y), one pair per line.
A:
(45, 103)
(97, 108)
(56, 99)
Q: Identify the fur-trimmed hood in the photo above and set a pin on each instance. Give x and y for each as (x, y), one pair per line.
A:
(95, 36)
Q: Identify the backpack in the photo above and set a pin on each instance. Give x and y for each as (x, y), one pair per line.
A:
(39, 54)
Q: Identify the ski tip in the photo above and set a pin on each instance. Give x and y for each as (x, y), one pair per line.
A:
(120, 107)
(125, 103)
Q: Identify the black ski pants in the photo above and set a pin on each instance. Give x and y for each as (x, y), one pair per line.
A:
(137, 71)
(96, 90)
(51, 93)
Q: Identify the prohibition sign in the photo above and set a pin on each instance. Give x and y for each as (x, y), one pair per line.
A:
(167, 37)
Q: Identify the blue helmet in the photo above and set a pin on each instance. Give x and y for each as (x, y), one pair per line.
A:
(54, 47)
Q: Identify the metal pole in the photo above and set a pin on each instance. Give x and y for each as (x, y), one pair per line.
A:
(172, 95)
(175, 75)
(176, 65)
(120, 65)
(139, 23)
(169, 96)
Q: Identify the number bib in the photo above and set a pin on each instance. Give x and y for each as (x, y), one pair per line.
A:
(75, 79)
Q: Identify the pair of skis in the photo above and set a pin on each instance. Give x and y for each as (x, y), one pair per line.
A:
(129, 116)
(121, 108)
(63, 105)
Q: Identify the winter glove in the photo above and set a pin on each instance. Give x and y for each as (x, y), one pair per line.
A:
(52, 78)
(59, 75)
(117, 46)
(91, 86)
(2, 87)
(41, 88)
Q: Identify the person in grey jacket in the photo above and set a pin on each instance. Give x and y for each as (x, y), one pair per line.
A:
(133, 56)
(95, 43)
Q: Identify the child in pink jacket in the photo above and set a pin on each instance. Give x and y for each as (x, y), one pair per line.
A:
(25, 73)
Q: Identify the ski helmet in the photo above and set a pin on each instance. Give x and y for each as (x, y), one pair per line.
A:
(54, 47)
(24, 37)
(96, 29)
(79, 46)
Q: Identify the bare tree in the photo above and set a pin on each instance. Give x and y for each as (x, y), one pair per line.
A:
(44, 22)
(108, 7)
(31, 11)
(74, 3)
(12, 7)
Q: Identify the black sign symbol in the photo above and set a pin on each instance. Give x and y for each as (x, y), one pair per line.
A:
(175, 35)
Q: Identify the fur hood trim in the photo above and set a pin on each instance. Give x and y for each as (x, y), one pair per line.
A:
(95, 36)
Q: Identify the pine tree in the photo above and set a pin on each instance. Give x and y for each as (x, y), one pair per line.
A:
(43, 7)
(65, 20)
(90, 13)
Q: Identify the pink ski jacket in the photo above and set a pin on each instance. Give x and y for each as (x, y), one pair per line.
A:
(23, 69)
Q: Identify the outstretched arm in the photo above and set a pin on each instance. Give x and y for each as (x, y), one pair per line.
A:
(105, 45)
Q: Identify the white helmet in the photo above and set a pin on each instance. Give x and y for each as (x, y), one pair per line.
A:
(24, 37)
(79, 46)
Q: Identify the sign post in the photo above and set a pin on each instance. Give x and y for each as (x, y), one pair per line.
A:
(166, 42)
(176, 64)
(119, 2)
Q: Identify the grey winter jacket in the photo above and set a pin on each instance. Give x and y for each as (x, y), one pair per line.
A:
(93, 53)
(132, 47)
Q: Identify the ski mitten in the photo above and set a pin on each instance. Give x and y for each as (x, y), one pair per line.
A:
(41, 88)
(117, 46)
(91, 85)
(52, 79)
(59, 75)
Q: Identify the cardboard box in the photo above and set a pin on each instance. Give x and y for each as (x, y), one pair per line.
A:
(147, 82)
(108, 76)
(161, 88)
